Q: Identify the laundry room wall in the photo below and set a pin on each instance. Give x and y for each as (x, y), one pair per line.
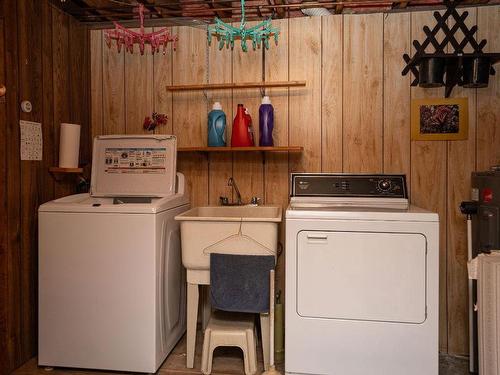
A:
(352, 116)
(43, 59)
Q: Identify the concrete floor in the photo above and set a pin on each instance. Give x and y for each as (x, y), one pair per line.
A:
(227, 361)
(451, 365)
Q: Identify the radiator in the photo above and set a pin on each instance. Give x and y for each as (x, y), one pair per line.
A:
(489, 313)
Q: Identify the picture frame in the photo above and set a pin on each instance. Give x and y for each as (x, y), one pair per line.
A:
(439, 119)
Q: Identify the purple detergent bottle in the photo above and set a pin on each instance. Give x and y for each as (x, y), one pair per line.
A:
(266, 122)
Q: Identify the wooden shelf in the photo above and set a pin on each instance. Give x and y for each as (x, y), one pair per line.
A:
(226, 86)
(65, 170)
(242, 149)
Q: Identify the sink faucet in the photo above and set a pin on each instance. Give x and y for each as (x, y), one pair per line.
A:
(224, 201)
(231, 182)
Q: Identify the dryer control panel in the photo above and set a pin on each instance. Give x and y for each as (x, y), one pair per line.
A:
(348, 185)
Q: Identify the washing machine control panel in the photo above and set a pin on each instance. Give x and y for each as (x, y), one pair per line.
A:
(348, 185)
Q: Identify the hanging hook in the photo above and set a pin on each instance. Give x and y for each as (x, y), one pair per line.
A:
(207, 72)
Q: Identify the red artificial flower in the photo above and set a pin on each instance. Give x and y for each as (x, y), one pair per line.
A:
(156, 119)
(147, 123)
(161, 119)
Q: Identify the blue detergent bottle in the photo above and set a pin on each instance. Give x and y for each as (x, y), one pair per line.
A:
(266, 122)
(216, 126)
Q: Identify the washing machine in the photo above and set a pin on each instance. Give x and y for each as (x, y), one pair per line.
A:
(362, 278)
(111, 282)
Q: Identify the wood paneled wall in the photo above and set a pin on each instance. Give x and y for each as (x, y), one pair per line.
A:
(43, 59)
(353, 116)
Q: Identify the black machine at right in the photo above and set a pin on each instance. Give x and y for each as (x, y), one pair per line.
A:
(483, 215)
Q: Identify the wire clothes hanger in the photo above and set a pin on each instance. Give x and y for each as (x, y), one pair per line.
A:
(238, 237)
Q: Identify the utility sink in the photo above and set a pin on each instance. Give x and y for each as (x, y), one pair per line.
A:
(233, 213)
(249, 230)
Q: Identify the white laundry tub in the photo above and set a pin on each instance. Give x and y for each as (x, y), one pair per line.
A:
(249, 230)
(216, 229)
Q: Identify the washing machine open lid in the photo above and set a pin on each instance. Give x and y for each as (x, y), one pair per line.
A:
(133, 166)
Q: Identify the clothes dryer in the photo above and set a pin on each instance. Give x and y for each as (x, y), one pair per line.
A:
(362, 277)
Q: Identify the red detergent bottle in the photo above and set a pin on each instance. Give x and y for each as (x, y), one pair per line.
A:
(242, 135)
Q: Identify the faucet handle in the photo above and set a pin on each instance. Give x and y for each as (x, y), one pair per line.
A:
(255, 201)
(224, 201)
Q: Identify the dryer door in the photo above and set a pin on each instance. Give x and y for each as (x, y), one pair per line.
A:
(363, 276)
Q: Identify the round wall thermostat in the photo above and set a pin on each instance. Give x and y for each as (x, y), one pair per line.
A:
(26, 106)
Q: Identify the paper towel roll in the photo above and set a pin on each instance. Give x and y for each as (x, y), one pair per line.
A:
(69, 145)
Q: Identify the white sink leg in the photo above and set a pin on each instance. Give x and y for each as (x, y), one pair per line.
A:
(264, 328)
(192, 317)
(206, 306)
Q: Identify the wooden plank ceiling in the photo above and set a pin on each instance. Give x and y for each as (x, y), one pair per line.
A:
(186, 11)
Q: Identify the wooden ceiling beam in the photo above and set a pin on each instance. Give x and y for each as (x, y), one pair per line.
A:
(92, 5)
(220, 14)
(95, 11)
(281, 12)
(339, 8)
(167, 5)
(403, 5)
(150, 5)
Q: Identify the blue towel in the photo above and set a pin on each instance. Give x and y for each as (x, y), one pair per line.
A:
(240, 282)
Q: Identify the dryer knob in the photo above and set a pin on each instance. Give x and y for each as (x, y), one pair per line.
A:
(384, 185)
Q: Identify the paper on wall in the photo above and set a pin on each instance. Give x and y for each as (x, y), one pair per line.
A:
(31, 140)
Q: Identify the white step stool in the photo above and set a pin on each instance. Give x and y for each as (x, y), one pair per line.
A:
(230, 329)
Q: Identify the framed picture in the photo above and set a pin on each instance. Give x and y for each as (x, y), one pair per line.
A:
(439, 119)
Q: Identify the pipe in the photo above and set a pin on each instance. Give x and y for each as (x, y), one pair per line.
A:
(298, 6)
(472, 359)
